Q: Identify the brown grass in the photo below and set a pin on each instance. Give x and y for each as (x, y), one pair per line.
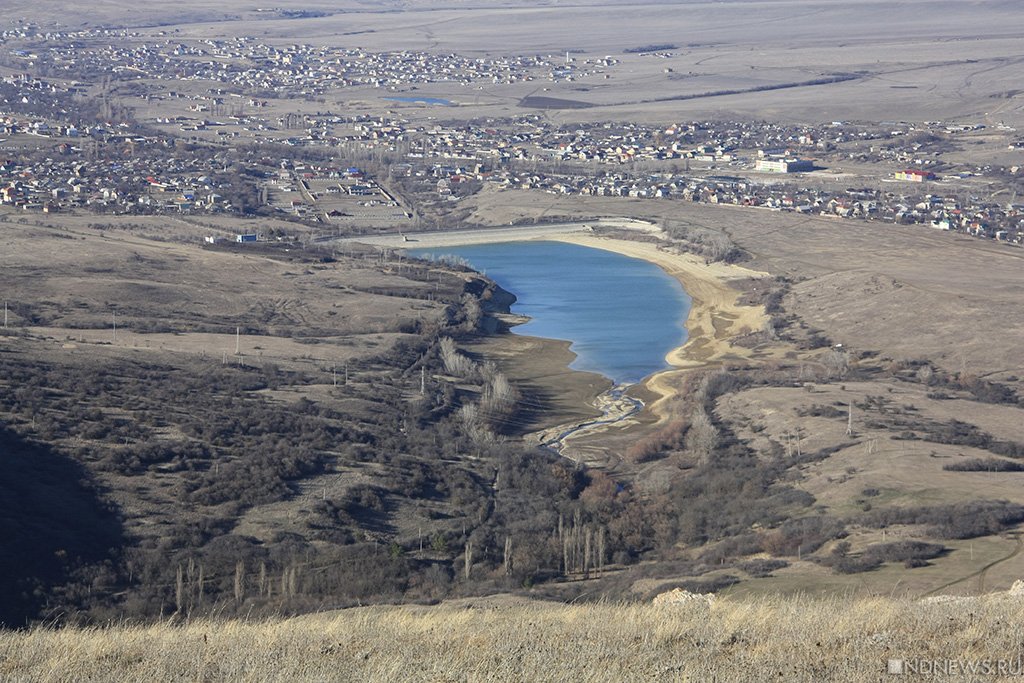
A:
(498, 639)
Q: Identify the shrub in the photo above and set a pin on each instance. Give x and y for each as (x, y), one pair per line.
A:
(957, 521)
(911, 553)
(762, 567)
(984, 465)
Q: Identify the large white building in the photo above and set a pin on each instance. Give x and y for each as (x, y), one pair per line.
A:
(784, 165)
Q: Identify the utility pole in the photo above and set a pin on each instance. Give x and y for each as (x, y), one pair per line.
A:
(114, 318)
(5, 314)
(849, 420)
(237, 330)
(423, 380)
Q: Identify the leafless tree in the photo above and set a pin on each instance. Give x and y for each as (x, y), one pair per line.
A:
(454, 362)
(702, 437)
(925, 374)
(179, 589)
(837, 362)
(474, 314)
(239, 581)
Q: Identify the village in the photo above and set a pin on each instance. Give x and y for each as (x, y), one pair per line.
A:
(259, 70)
(230, 147)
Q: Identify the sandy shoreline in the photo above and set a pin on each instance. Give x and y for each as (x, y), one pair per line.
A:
(715, 317)
(520, 233)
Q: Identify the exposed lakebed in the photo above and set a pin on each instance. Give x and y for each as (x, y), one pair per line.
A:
(621, 314)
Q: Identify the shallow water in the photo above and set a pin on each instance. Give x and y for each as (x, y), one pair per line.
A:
(622, 315)
(422, 100)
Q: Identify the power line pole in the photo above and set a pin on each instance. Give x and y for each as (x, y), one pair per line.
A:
(237, 330)
(423, 380)
(114, 317)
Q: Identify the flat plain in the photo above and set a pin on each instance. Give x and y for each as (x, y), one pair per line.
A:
(914, 60)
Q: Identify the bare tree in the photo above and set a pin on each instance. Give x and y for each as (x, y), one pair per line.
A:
(474, 314)
(200, 585)
(925, 374)
(507, 560)
(702, 436)
(179, 589)
(454, 362)
(499, 399)
(837, 362)
(475, 427)
(239, 581)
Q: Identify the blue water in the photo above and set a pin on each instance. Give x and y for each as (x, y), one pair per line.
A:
(622, 315)
(422, 100)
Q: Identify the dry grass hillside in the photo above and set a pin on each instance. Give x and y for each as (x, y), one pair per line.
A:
(263, 400)
(798, 639)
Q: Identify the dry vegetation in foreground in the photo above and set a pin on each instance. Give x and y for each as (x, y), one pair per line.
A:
(796, 639)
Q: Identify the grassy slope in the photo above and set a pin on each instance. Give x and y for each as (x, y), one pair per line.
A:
(780, 639)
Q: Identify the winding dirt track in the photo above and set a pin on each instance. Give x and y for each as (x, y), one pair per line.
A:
(980, 574)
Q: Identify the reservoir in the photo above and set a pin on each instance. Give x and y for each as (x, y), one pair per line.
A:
(621, 314)
(421, 100)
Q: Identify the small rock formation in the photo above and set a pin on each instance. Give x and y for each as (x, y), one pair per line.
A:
(949, 600)
(678, 596)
